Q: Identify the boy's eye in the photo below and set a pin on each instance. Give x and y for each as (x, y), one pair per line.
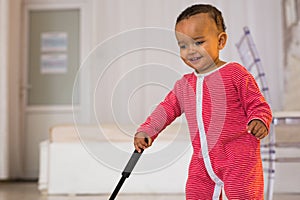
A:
(182, 46)
(197, 43)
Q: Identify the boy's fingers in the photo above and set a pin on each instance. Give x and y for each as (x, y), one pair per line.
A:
(259, 133)
(149, 141)
(140, 143)
(262, 133)
(254, 127)
(257, 129)
(251, 127)
(139, 147)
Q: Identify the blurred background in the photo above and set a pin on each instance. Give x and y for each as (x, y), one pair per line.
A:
(43, 43)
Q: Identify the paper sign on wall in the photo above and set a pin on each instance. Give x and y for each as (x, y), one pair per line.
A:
(54, 41)
(54, 63)
(54, 59)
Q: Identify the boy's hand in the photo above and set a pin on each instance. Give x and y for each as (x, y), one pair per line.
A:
(140, 143)
(257, 128)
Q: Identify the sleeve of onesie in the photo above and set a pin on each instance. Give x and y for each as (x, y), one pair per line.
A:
(164, 114)
(253, 101)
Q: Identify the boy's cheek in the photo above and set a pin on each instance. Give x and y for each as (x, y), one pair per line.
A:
(184, 59)
(186, 62)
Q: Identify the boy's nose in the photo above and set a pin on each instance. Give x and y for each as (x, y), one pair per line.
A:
(191, 49)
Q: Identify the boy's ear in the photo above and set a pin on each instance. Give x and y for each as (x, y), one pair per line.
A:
(222, 40)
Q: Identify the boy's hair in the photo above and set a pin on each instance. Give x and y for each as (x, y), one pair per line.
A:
(213, 12)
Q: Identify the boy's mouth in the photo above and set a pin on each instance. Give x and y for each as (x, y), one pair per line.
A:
(194, 60)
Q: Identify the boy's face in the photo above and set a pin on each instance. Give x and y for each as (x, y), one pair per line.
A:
(200, 41)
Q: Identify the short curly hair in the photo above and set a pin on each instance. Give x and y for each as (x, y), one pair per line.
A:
(214, 13)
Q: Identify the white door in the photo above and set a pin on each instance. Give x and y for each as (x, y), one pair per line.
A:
(52, 60)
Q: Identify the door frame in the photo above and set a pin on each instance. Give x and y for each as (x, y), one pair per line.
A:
(85, 35)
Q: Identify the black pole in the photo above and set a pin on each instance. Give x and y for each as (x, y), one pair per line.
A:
(127, 171)
(116, 191)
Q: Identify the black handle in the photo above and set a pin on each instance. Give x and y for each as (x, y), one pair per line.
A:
(132, 162)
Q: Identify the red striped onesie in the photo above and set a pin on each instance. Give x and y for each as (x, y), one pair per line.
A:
(218, 106)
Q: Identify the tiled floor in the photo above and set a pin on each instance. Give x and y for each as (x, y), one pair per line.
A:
(28, 191)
